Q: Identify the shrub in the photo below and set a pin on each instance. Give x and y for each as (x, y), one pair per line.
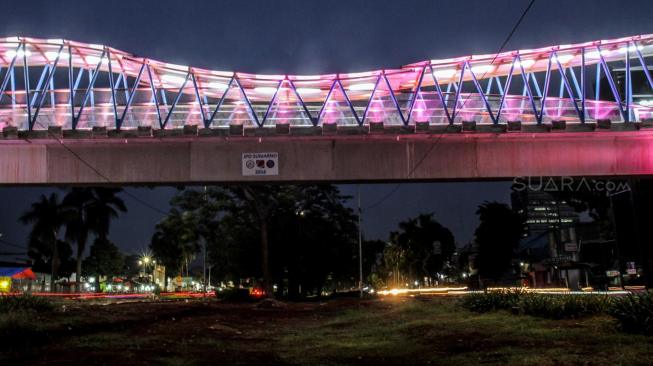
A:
(634, 313)
(548, 306)
(482, 302)
(24, 303)
(563, 306)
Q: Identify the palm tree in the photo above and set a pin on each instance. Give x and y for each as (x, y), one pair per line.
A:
(90, 212)
(106, 205)
(46, 217)
(78, 224)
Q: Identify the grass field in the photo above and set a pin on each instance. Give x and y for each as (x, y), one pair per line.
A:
(350, 332)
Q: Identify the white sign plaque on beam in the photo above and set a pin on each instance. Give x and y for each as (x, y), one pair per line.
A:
(265, 163)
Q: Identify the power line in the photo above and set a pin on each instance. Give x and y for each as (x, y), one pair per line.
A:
(96, 171)
(5, 242)
(386, 196)
(503, 45)
(145, 203)
(435, 143)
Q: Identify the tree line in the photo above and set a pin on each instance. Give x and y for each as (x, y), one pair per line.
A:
(301, 238)
(304, 240)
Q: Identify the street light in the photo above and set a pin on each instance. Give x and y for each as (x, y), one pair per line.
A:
(146, 261)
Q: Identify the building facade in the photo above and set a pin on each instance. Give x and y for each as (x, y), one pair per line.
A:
(549, 249)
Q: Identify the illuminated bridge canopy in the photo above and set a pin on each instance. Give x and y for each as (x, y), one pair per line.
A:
(76, 85)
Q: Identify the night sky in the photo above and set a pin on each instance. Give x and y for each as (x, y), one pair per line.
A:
(275, 36)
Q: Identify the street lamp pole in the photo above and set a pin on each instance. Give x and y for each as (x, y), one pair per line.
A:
(209, 282)
(204, 254)
(616, 234)
(360, 246)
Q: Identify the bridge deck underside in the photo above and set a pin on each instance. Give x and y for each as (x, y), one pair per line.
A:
(374, 158)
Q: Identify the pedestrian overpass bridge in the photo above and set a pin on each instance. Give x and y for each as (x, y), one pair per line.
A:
(76, 113)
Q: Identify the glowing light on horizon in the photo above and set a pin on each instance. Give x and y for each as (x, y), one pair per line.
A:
(403, 291)
(465, 290)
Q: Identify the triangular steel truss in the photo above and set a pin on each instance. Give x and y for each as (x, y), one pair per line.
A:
(481, 88)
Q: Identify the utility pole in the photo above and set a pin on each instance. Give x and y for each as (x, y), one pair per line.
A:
(616, 236)
(210, 275)
(360, 245)
(204, 242)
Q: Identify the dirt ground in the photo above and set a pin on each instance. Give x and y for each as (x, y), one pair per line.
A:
(171, 332)
(346, 331)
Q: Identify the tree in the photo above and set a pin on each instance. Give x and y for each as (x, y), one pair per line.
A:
(303, 234)
(322, 248)
(394, 258)
(425, 246)
(234, 249)
(89, 211)
(105, 259)
(202, 209)
(373, 261)
(497, 237)
(78, 224)
(46, 217)
(261, 201)
(175, 241)
(105, 206)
